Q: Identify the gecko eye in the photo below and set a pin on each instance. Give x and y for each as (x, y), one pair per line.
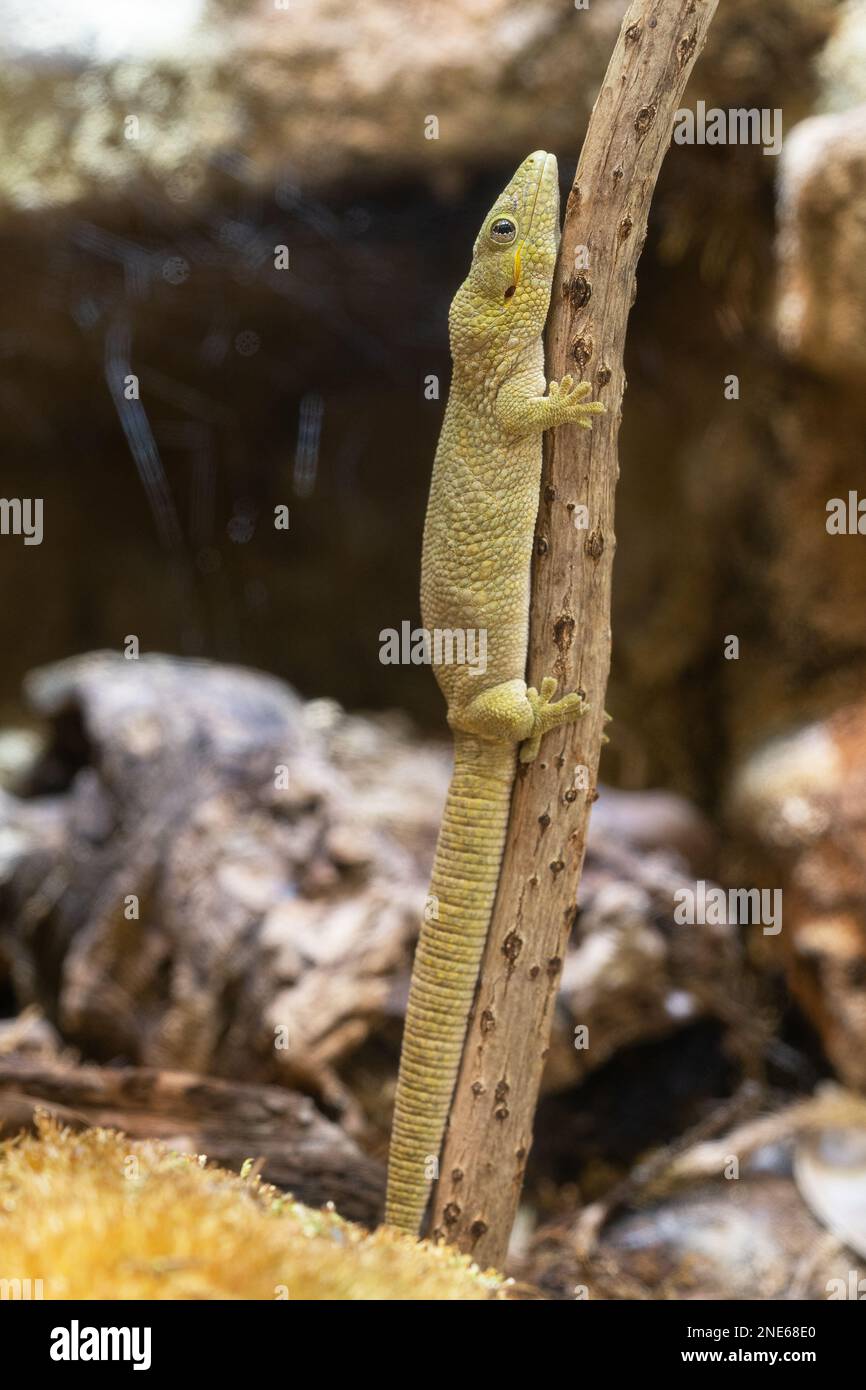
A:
(502, 231)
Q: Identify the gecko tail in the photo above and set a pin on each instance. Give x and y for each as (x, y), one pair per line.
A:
(447, 961)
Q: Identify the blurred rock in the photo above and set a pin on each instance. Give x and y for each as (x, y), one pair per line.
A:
(18, 751)
(750, 1239)
(30, 1037)
(798, 805)
(842, 63)
(316, 92)
(655, 820)
(822, 244)
(830, 1169)
(727, 1217)
(311, 93)
(633, 972)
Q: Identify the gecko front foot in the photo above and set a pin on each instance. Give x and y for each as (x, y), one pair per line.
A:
(570, 397)
(549, 713)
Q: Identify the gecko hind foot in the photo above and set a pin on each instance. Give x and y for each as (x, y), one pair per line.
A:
(549, 714)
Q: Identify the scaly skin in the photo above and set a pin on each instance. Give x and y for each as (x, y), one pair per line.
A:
(475, 574)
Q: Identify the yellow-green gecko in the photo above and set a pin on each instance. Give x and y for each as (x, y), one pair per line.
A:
(475, 575)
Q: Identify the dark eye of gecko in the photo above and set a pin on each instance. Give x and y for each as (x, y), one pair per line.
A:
(502, 230)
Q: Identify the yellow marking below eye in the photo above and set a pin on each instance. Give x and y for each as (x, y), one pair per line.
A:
(517, 269)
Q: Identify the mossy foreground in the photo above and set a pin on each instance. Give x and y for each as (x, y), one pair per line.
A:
(98, 1215)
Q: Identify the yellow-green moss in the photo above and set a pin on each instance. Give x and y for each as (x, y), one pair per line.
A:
(98, 1215)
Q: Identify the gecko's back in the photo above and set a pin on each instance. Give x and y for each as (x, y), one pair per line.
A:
(475, 579)
(484, 491)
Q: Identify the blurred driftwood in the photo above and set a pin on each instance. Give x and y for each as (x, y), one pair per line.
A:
(298, 1149)
(198, 884)
(275, 924)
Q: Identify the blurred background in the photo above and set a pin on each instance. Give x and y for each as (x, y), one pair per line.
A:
(228, 251)
(152, 161)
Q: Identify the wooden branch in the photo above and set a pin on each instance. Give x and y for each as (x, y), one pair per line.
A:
(490, 1126)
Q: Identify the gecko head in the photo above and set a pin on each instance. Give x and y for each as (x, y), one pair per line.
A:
(506, 294)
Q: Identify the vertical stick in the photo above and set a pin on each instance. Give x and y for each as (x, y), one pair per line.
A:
(490, 1125)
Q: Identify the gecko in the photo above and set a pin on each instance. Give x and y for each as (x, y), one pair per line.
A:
(475, 577)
